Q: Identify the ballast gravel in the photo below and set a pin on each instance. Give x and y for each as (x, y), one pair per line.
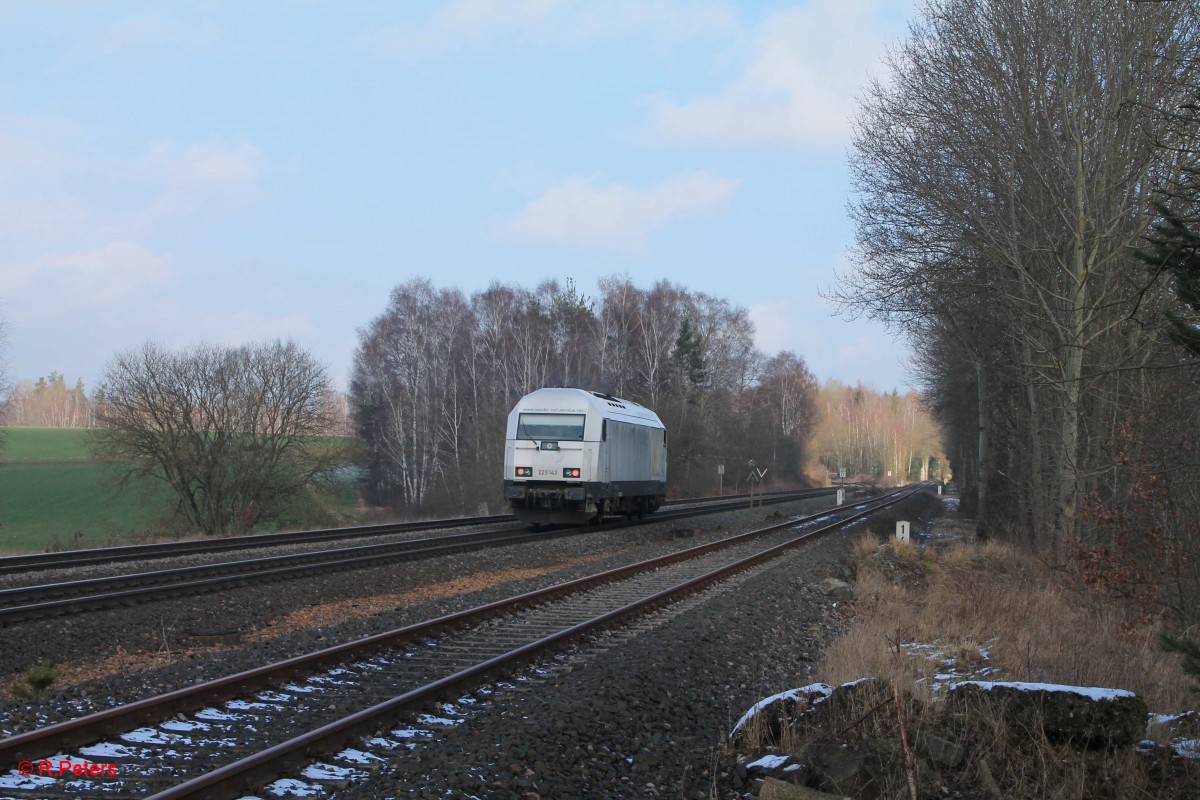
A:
(646, 716)
(642, 715)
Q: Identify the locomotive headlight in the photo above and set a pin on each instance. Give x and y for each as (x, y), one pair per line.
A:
(570, 472)
(524, 472)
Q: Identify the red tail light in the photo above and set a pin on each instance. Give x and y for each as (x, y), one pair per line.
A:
(570, 472)
(524, 472)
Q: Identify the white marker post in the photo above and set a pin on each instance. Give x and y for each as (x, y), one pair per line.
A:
(902, 530)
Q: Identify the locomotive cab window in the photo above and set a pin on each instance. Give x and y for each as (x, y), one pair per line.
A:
(559, 427)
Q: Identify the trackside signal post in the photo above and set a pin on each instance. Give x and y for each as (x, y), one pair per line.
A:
(755, 476)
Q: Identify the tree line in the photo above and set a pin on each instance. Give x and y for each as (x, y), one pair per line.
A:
(1018, 172)
(49, 403)
(888, 438)
(436, 374)
(240, 433)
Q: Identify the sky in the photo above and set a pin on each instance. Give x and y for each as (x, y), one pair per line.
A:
(232, 172)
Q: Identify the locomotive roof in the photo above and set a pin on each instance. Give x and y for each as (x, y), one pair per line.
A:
(561, 399)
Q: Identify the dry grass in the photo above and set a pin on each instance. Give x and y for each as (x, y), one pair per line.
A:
(925, 617)
(971, 599)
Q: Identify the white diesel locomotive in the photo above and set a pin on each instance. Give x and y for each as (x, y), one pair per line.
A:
(573, 456)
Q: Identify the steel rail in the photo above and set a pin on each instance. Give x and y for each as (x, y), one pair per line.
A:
(66, 559)
(230, 780)
(32, 602)
(91, 727)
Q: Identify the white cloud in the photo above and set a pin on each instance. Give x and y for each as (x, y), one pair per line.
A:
(580, 212)
(664, 19)
(473, 20)
(58, 220)
(60, 282)
(799, 87)
(157, 33)
(202, 173)
(25, 154)
(557, 23)
(35, 147)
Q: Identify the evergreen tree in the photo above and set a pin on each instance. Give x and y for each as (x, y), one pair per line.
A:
(690, 353)
(1175, 248)
(1189, 649)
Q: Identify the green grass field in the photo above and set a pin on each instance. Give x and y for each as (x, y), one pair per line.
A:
(55, 496)
(41, 444)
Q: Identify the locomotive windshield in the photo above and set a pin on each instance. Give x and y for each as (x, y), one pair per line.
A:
(559, 427)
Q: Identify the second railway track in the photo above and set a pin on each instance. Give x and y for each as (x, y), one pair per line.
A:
(69, 559)
(68, 597)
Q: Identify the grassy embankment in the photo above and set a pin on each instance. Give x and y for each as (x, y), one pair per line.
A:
(927, 616)
(55, 496)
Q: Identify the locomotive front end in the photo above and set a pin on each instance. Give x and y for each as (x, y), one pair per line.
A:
(546, 466)
(572, 456)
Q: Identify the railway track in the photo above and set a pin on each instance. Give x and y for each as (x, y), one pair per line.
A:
(69, 597)
(316, 703)
(68, 559)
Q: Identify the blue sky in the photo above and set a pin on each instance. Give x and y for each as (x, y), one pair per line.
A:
(231, 171)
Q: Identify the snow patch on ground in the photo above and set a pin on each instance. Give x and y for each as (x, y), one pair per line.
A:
(109, 750)
(412, 733)
(290, 787)
(1188, 748)
(321, 771)
(151, 736)
(182, 726)
(767, 762)
(949, 668)
(1091, 692)
(429, 719)
(15, 780)
(358, 756)
(822, 689)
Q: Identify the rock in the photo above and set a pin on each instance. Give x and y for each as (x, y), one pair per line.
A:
(773, 789)
(781, 767)
(839, 591)
(849, 702)
(1089, 716)
(841, 768)
(1171, 727)
(767, 716)
(943, 752)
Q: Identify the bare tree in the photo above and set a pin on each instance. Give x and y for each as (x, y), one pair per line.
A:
(406, 389)
(235, 431)
(1004, 174)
